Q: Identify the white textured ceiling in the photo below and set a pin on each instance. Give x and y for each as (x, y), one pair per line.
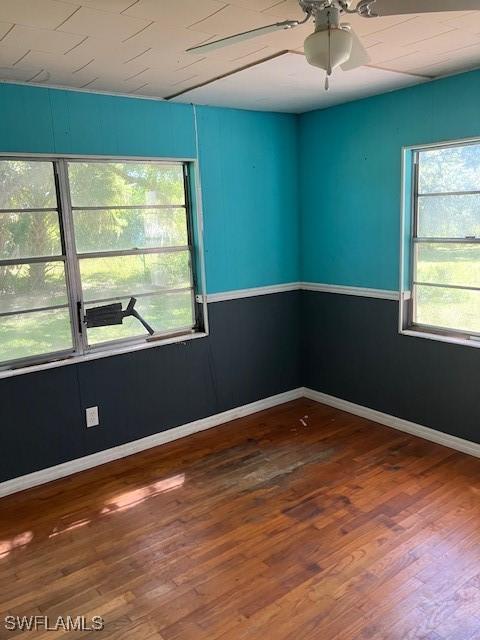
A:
(288, 83)
(138, 46)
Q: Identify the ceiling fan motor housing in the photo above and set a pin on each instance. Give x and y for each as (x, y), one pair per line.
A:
(328, 48)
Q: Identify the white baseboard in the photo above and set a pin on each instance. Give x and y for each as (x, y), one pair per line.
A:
(80, 464)
(459, 444)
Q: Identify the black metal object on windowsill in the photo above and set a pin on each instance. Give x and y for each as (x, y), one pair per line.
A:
(112, 314)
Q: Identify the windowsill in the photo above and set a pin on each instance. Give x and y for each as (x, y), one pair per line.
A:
(465, 342)
(106, 353)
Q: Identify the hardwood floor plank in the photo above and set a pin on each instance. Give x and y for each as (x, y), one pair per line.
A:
(301, 522)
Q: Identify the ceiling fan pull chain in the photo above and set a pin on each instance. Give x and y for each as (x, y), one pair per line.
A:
(329, 70)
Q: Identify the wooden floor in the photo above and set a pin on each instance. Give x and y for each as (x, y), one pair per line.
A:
(300, 522)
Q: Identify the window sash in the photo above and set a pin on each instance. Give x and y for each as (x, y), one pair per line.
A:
(417, 240)
(134, 339)
(85, 345)
(71, 260)
(31, 260)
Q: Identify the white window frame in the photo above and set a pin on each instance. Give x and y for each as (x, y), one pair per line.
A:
(81, 351)
(408, 222)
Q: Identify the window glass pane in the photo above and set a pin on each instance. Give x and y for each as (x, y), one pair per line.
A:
(100, 184)
(29, 235)
(120, 229)
(164, 312)
(449, 216)
(27, 185)
(449, 263)
(457, 309)
(32, 286)
(31, 334)
(452, 169)
(131, 275)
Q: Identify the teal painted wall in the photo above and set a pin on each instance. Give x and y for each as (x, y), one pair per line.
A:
(248, 164)
(342, 165)
(350, 168)
(39, 120)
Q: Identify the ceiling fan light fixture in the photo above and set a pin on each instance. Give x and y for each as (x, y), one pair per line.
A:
(329, 48)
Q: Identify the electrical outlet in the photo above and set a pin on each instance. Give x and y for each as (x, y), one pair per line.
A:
(91, 414)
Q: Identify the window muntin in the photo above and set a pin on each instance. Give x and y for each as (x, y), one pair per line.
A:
(34, 305)
(446, 241)
(81, 233)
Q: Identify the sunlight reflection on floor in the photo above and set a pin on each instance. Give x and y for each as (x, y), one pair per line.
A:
(124, 501)
(130, 499)
(6, 546)
(121, 502)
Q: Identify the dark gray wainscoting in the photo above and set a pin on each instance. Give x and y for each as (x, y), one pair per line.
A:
(252, 353)
(351, 349)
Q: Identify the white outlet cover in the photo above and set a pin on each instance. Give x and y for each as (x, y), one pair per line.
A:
(91, 414)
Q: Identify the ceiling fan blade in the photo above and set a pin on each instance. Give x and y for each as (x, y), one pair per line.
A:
(246, 35)
(399, 7)
(359, 55)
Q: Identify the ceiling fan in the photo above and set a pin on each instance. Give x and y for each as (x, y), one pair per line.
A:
(333, 43)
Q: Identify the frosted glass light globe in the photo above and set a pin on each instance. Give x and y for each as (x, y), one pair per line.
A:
(324, 54)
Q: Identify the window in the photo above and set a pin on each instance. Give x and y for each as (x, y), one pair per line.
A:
(445, 241)
(77, 234)
(34, 306)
